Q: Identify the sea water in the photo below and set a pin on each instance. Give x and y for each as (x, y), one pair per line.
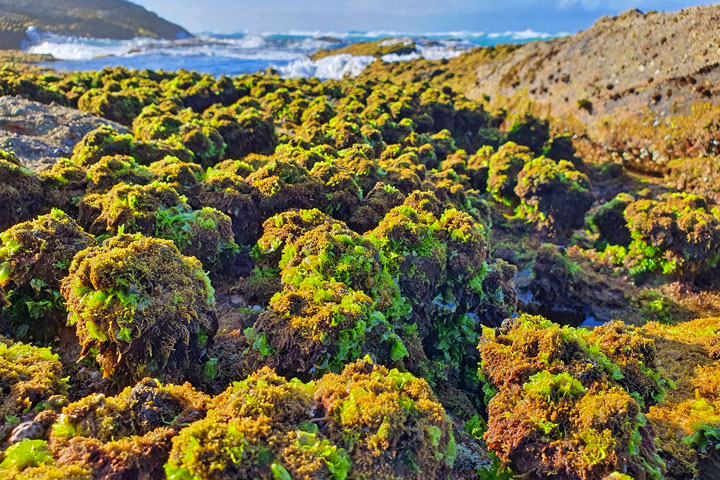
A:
(288, 53)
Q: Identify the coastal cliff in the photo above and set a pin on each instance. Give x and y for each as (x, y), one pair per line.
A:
(117, 19)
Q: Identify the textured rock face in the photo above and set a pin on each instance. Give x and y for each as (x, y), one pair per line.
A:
(663, 60)
(89, 18)
(38, 134)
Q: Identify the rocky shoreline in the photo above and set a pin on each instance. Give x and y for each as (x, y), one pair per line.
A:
(403, 275)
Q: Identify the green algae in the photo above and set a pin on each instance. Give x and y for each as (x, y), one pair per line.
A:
(112, 294)
(569, 389)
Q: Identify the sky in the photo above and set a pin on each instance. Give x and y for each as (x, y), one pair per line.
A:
(412, 16)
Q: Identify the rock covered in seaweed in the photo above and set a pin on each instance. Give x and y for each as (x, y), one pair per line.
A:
(677, 235)
(366, 420)
(553, 194)
(34, 257)
(568, 403)
(157, 209)
(127, 435)
(29, 376)
(21, 192)
(143, 307)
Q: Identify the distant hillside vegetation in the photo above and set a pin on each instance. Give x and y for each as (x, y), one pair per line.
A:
(117, 19)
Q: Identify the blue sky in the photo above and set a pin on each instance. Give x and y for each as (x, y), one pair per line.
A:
(226, 16)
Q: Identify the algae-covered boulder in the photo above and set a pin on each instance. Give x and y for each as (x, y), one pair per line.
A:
(64, 183)
(205, 234)
(438, 257)
(102, 142)
(366, 421)
(609, 221)
(130, 207)
(127, 435)
(343, 194)
(308, 332)
(284, 229)
(181, 128)
(274, 437)
(121, 107)
(503, 168)
(21, 192)
(333, 251)
(678, 235)
(143, 307)
(686, 422)
(374, 206)
(245, 131)
(34, 257)
(111, 171)
(336, 296)
(530, 131)
(553, 194)
(568, 403)
(29, 377)
(32, 460)
(389, 422)
(232, 195)
(284, 185)
(158, 210)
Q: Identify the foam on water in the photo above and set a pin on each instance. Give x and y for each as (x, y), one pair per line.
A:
(334, 66)
(249, 52)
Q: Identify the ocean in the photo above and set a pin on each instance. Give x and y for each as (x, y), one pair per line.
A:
(249, 52)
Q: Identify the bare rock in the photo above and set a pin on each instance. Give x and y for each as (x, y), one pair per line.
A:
(39, 134)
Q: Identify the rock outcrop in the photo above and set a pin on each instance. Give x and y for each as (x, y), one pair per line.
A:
(662, 60)
(38, 134)
(116, 19)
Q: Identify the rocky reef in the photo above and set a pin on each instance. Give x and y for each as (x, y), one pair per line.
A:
(260, 277)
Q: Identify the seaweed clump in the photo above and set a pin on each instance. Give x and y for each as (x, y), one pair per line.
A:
(553, 194)
(389, 422)
(686, 423)
(678, 236)
(335, 295)
(568, 403)
(34, 257)
(21, 192)
(438, 256)
(29, 377)
(158, 210)
(141, 308)
(365, 421)
(127, 435)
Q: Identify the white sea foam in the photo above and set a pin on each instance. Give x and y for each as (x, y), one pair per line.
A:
(526, 34)
(78, 48)
(234, 54)
(334, 66)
